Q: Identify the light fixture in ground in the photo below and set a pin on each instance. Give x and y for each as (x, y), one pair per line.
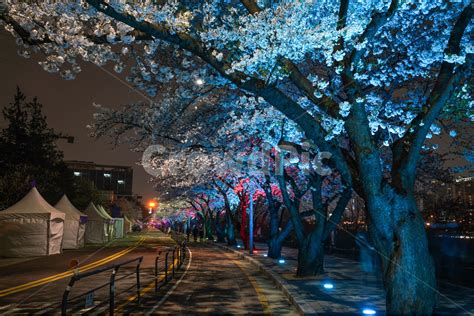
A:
(281, 260)
(328, 285)
(369, 311)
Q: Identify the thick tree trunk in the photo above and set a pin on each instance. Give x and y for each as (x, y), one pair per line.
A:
(220, 233)
(220, 238)
(276, 241)
(407, 266)
(274, 247)
(310, 258)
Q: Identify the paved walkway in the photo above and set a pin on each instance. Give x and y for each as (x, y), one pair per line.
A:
(353, 290)
(219, 282)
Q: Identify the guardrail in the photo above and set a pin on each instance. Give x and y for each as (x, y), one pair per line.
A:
(115, 268)
(177, 254)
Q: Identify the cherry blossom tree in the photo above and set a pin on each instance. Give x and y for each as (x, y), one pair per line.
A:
(377, 73)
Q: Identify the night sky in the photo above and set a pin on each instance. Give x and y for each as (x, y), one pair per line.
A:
(68, 107)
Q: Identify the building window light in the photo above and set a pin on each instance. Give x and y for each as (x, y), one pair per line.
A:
(77, 173)
(107, 175)
(120, 182)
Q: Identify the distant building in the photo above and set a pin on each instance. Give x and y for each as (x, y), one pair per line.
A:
(464, 191)
(113, 181)
(437, 194)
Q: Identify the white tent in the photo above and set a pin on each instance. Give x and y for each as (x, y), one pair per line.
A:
(118, 224)
(111, 227)
(74, 225)
(119, 227)
(31, 227)
(96, 226)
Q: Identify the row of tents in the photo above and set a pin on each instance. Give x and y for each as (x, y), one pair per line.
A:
(32, 227)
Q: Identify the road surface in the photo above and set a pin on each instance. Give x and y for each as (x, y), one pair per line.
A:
(211, 281)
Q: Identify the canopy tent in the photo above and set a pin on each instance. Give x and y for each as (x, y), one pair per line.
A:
(97, 226)
(119, 225)
(74, 224)
(111, 228)
(31, 227)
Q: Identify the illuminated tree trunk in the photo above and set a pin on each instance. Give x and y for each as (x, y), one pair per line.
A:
(216, 225)
(275, 242)
(310, 256)
(407, 266)
(230, 229)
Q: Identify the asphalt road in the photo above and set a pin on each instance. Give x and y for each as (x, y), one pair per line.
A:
(211, 281)
(38, 285)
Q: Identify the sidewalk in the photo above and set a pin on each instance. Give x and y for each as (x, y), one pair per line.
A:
(353, 290)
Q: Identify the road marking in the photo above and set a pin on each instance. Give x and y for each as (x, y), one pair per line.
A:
(174, 286)
(59, 276)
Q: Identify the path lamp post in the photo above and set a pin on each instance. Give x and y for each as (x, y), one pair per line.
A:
(251, 222)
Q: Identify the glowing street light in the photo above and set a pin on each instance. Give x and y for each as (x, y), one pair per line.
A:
(151, 205)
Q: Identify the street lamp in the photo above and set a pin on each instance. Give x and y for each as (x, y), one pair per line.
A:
(151, 205)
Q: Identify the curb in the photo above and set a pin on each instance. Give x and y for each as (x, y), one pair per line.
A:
(288, 290)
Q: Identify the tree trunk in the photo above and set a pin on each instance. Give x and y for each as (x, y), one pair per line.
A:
(276, 241)
(407, 266)
(230, 230)
(209, 235)
(310, 258)
(220, 233)
(274, 247)
(274, 244)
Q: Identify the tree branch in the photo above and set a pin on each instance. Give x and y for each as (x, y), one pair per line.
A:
(407, 149)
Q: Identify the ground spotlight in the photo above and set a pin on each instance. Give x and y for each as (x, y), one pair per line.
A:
(328, 285)
(369, 311)
(281, 261)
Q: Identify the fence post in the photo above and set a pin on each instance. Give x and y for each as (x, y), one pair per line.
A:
(112, 291)
(138, 279)
(66, 295)
(178, 254)
(174, 249)
(166, 266)
(184, 251)
(156, 270)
